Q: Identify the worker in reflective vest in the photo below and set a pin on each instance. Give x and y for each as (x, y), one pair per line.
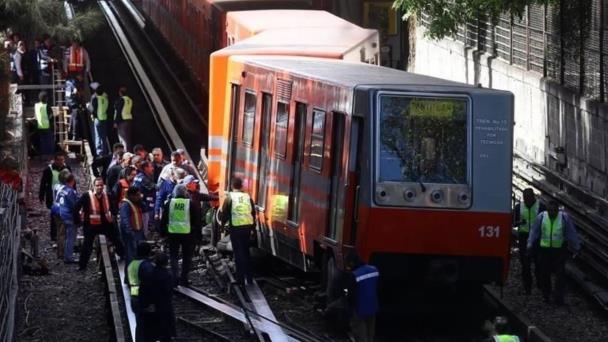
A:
(76, 60)
(97, 219)
(99, 110)
(524, 215)
(238, 211)
(181, 223)
(127, 175)
(555, 232)
(131, 223)
(123, 117)
(499, 331)
(139, 268)
(362, 296)
(48, 181)
(45, 125)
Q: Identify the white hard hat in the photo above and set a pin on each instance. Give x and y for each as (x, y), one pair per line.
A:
(94, 85)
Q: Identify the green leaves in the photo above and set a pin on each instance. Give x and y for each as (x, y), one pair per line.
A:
(32, 18)
(446, 15)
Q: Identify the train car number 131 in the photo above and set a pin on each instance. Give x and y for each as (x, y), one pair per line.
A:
(489, 231)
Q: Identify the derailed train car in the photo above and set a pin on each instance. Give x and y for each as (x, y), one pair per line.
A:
(412, 171)
(195, 29)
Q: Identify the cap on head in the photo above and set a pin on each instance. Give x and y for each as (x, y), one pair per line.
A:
(94, 85)
(190, 179)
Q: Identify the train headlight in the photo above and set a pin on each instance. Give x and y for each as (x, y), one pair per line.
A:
(463, 198)
(409, 195)
(437, 196)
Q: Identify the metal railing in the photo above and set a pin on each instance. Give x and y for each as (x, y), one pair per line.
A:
(565, 42)
(10, 227)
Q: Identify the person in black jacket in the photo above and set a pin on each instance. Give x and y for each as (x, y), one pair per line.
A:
(98, 219)
(50, 178)
(156, 301)
(181, 223)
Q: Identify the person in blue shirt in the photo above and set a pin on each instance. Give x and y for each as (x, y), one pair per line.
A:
(55, 218)
(551, 235)
(362, 297)
(144, 181)
(67, 198)
(131, 223)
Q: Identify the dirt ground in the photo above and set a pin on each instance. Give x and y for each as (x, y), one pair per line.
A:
(66, 304)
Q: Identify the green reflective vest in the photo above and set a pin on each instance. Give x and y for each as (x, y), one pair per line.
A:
(241, 209)
(133, 273)
(102, 107)
(55, 178)
(42, 117)
(126, 108)
(506, 338)
(528, 214)
(179, 216)
(552, 231)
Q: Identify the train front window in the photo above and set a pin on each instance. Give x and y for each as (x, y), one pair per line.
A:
(422, 139)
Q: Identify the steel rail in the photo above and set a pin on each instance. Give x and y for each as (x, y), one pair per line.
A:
(592, 234)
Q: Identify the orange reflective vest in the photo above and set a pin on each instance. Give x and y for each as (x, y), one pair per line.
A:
(76, 61)
(95, 214)
(122, 191)
(136, 216)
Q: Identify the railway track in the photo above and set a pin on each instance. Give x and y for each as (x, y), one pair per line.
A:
(200, 314)
(590, 270)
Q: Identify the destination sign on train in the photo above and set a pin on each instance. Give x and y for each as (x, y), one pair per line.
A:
(434, 108)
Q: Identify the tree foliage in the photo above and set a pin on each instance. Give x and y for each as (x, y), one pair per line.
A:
(446, 15)
(31, 18)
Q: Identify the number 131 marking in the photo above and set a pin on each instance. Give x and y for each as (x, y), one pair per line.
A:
(489, 231)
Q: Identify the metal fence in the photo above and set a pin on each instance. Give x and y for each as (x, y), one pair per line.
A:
(565, 42)
(10, 223)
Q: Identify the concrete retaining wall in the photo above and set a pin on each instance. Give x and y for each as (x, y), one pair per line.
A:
(547, 115)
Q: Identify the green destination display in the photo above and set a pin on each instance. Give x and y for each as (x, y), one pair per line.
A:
(434, 108)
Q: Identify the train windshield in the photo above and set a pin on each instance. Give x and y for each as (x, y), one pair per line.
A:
(422, 139)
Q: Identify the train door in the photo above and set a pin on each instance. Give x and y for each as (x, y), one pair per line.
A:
(263, 170)
(336, 191)
(298, 159)
(354, 173)
(234, 123)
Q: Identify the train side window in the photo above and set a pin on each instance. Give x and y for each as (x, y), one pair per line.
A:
(317, 141)
(281, 123)
(248, 118)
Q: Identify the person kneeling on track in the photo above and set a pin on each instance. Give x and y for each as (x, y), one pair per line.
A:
(139, 268)
(499, 331)
(181, 223)
(97, 219)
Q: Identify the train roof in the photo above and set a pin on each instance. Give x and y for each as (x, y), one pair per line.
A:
(345, 73)
(320, 42)
(261, 20)
(243, 5)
